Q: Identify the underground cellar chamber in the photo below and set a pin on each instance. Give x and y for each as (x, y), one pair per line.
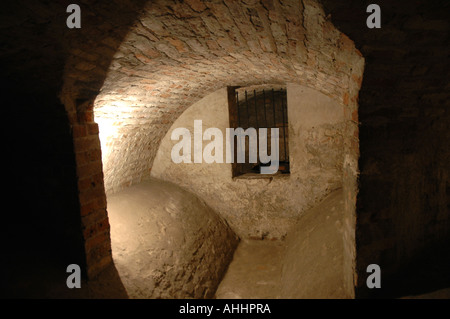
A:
(175, 232)
(136, 70)
(175, 226)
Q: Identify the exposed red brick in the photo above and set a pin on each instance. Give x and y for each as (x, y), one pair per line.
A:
(345, 98)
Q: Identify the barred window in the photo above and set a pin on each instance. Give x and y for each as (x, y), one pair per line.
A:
(260, 107)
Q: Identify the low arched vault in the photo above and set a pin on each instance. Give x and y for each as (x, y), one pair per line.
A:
(176, 53)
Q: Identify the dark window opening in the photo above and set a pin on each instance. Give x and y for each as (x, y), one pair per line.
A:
(260, 107)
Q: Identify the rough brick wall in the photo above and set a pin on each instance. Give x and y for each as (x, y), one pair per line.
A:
(403, 220)
(44, 58)
(91, 192)
(89, 53)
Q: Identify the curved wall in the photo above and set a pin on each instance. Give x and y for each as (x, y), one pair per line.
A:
(264, 207)
(167, 243)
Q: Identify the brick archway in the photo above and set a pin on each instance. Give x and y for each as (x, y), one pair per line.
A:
(173, 55)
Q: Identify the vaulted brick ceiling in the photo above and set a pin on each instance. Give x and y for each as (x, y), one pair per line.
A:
(145, 62)
(178, 52)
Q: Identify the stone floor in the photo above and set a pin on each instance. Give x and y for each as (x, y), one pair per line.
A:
(255, 272)
(308, 264)
(259, 268)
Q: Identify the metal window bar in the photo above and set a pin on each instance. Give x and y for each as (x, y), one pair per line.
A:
(246, 106)
(238, 114)
(256, 111)
(265, 113)
(273, 106)
(279, 105)
(284, 127)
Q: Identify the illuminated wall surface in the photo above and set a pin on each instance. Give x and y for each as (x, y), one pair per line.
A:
(93, 91)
